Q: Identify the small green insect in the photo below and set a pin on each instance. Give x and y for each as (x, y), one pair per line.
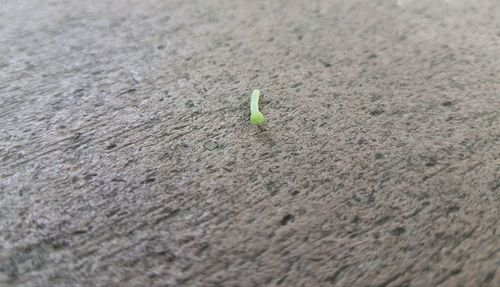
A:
(256, 117)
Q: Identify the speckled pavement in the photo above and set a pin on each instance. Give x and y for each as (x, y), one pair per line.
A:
(127, 159)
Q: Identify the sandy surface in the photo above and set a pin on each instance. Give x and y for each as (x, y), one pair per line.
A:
(127, 159)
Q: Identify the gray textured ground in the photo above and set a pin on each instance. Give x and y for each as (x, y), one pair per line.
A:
(127, 158)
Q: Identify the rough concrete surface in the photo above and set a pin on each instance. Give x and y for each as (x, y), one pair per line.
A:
(127, 158)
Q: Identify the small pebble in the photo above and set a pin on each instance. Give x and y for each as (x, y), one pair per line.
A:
(210, 145)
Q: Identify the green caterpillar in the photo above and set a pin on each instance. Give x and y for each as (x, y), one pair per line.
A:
(256, 117)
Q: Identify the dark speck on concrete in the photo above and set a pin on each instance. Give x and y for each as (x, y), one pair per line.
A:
(189, 104)
(446, 103)
(376, 112)
(398, 231)
(286, 219)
